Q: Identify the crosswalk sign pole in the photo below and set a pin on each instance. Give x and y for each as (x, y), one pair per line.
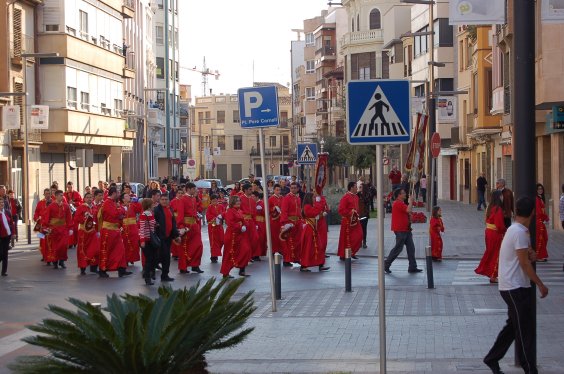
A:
(381, 280)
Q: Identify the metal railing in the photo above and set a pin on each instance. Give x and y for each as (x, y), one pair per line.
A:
(23, 44)
(34, 135)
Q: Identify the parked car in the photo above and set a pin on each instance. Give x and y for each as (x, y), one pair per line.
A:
(137, 188)
(229, 187)
(206, 183)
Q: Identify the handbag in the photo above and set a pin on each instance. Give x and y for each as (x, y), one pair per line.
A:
(154, 239)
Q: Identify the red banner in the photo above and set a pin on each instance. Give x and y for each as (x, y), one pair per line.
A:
(321, 172)
(416, 156)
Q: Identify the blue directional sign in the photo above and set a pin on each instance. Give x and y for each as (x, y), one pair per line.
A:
(258, 106)
(379, 112)
(307, 153)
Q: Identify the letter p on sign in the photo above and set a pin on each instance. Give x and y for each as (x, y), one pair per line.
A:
(253, 100)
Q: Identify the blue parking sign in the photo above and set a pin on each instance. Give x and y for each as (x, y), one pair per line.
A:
(258, 106)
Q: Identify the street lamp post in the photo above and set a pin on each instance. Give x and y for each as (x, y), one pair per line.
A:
(146, 127)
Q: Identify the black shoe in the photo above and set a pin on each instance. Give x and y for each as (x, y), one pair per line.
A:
(387, 270)
(42, 259)
(324, 268)
(153, 276)
(287, 264)
(55, 265)
(4, 274)
(103, 274)
(82, 271)
(327, 256)
(93, 268)
(354, 257)
(48, 264)
(228, 277)
(243, 274)
(416, 270)
(122, 272)
(184, 272)
(304, 270)
(62, 265)
(159, 267)
(149, 282)
(256, 258)
(197, 270)
(364, 244)
(494, 366)
(167, 279)
(213, 260)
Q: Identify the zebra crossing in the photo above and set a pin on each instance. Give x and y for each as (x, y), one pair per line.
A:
(550, 272)
(378, 129)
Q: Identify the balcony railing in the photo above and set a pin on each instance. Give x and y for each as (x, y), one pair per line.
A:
(33, 135)
(278, 151)
(325, 51)
(363, 37)
(22, 44)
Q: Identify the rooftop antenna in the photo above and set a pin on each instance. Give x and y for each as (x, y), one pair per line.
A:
(205, 71)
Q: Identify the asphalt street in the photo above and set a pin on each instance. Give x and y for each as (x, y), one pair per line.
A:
(318, 327)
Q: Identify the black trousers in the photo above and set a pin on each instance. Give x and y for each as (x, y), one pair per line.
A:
(364, 225)
(403, 238)
(164, 256)
(519, 328)
(4, 246)
(151, 259)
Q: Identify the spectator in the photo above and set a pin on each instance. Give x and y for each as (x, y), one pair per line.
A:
(423, 187)
(507, 199)
(284, 189)
(363, 210)
(481, 184)
(395, 178)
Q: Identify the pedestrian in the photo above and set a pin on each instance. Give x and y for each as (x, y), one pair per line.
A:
(5, 237)
(436, 228)
(235, 253)
(363, 210)
(275, 206)
(350, 235)
(84, 221)
(291, 226)
(249, 209)
(236, 189)
(481, 184)
(93, 252)
(311, 254)
(284, 189)
(214, 216)
(401, 226)
(508, 201)
(130, 228)
(260, 225)
(39, 217)
(541, 218)
(423, 187)
(177, 205)
(270, 187)
(395, 178)
(205, 201)
(515, 275)
(167, 232)
(495, 229)
(359, 182)
(191, 253)
(59, 229)
(15, 213)
(373, 194)
(147, 226)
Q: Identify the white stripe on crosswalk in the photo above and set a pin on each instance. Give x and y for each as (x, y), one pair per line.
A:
(14, 341)
(550, 273)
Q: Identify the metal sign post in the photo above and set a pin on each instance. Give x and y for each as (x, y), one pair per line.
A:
(258, 108)
(381, 278)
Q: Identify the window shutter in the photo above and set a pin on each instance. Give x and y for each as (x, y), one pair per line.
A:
(17, 31)
(18, 100)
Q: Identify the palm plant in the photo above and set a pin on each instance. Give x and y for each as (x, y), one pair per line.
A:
(168, 334)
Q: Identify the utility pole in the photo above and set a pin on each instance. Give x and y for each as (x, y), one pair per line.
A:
(167, 83)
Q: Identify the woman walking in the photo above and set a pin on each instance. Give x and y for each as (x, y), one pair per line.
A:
(495, 229)
(147, 226)
(236, 251)
(541, 219)
(312, 255)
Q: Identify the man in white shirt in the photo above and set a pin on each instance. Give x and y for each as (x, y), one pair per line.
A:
(515, 276)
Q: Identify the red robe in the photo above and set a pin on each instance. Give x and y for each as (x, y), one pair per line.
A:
(191, 254)
(495, 229)
(322, 228)
(59, 221)
(435, 228)
(292, 214)
(311, 255)
(351, 233)
(177, 206)
(541, 234)
(249, 210)
(40, 211)
(75, 199)
(235, 255)
(112, 250)
(93, 252)
(275, 201)
(130, 232)
(261, 232)
(215, 230)
(88, 241)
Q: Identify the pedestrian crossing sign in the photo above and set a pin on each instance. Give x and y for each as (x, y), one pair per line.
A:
(379, 112)
(307, 153)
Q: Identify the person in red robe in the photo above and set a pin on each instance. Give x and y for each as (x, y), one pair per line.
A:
(495, 230)
(322, 227)
(249, 209)
(275, 206)
(236, 189)
(214, 216)
(59, 227)
(130, 228)
(260, 224)
(351, 230)
(93, 251)
(40, 221)
(541, 217)
(87, 235)
(177, 205)
(311, 253)
(191, 254)
(291, 225)
(74, 200)
(436, 227)
(112, 250)
(235, 253)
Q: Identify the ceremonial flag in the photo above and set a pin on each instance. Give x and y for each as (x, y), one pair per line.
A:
(321, 172)
(416, 156)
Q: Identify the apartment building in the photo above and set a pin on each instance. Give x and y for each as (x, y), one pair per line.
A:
(224, 150)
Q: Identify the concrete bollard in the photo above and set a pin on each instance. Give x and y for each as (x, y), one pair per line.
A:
(348, 270)
(429, 258)
(278, 276)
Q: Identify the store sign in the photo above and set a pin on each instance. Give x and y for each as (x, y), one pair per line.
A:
(39, 117)
(552, 11)
(477, 12)
(10, 117)
(446, 109)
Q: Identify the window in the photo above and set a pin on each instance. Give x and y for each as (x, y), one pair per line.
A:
(159, 34)
(272, 141)
(421, 42)
(443, 33)
(83, 24)
(489, 90)
(51, 27)
(310, 66)
(221, 142)
(71, 97)
(176, 70)
(238, 142)
(284, 119)
(352, 23)
(363, 65)
(220, 115)
(310, 93)
(358, 22)
(236, 116)
(285, 141)
(85, 101)
(310, 40)
(104, 109)
(170, 36)
(375, 19)
(364, 73)
(160, 3)
(170, 68)
(118, 107)
(475, 91)
(160, 68)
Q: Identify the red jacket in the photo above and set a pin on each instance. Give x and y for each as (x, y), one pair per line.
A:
(3, 229)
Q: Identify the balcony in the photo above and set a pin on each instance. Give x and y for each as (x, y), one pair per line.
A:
(129, 66)
(22, 44)
(128, 9)
(155, 117)
(33, 135)
(326, 53)
(498, 106)
(362, 38)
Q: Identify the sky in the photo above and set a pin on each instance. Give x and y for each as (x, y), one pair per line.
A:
(233, 34)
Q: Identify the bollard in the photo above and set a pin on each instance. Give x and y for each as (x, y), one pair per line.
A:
(429, 257)
(348, 263)
(28, 227)
(278, 276)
